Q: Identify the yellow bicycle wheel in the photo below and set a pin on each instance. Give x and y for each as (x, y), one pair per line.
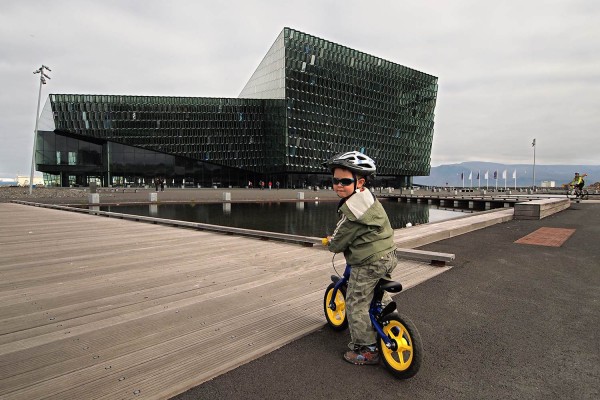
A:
(337, 318)
(403, 359)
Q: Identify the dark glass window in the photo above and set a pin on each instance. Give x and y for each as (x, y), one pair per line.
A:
(335, 99)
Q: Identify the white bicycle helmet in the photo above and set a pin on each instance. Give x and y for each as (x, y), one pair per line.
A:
(354, 161)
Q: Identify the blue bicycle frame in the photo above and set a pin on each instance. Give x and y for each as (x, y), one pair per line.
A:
(375, 309)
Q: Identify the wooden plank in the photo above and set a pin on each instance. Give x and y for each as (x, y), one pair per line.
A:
(304, 240)
(427, 256)
(94, 307)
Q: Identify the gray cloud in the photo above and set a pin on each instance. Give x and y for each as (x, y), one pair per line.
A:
(508, 71)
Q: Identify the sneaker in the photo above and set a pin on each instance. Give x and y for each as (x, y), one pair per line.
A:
(362, 356)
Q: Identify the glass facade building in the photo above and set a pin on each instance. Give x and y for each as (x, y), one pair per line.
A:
(307, 100)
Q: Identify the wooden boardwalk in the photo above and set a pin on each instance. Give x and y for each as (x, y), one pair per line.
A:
(103, 308)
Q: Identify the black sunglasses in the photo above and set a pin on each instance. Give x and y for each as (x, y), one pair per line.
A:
(343, 181)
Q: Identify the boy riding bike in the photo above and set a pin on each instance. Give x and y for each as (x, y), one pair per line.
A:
(365, 236)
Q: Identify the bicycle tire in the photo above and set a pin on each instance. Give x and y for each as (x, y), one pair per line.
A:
(405, 357)
(338, 319)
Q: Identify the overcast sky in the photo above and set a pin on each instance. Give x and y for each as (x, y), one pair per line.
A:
(509, 71)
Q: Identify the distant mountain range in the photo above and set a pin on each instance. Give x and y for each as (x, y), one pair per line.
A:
(451, 174)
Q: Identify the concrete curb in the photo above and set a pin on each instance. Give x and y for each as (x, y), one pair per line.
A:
(422, 235)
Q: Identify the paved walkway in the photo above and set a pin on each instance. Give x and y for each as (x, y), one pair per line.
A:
(120, 195)
(508, 321)
(116, 195)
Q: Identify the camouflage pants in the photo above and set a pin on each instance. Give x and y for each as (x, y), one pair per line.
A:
(361, 287)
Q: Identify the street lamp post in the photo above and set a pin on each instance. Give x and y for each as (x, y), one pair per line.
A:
(533, 145)
(43, 78)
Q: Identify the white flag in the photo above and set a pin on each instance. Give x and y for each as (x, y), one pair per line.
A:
(486, 174)
(515, 174)
(504, 174)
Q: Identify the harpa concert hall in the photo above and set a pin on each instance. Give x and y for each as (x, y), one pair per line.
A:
(308, 100)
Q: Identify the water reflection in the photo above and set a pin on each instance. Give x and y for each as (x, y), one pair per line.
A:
(298, 218)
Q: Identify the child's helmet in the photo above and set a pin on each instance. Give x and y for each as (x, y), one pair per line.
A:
(354, 161)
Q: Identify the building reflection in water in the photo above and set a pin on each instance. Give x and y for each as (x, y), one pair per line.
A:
(296, 218)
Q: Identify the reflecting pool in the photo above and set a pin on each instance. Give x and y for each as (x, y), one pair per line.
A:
(316, 219)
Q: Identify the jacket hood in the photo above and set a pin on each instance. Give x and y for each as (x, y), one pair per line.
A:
(361, 207)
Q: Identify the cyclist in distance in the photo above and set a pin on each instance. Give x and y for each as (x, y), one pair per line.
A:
(578, 182)
(365, 236)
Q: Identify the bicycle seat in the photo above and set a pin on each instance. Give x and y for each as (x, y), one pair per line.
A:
(389, 286)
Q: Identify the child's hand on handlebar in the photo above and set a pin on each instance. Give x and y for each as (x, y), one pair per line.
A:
(325, 241)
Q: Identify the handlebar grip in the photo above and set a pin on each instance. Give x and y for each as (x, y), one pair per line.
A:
(325, 241)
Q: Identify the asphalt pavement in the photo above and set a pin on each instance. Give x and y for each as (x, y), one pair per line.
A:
(508, 321)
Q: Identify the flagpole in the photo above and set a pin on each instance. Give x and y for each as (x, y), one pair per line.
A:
(496, 177)
(533, 144)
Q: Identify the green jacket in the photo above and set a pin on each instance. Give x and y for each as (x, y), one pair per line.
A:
(363, 232)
